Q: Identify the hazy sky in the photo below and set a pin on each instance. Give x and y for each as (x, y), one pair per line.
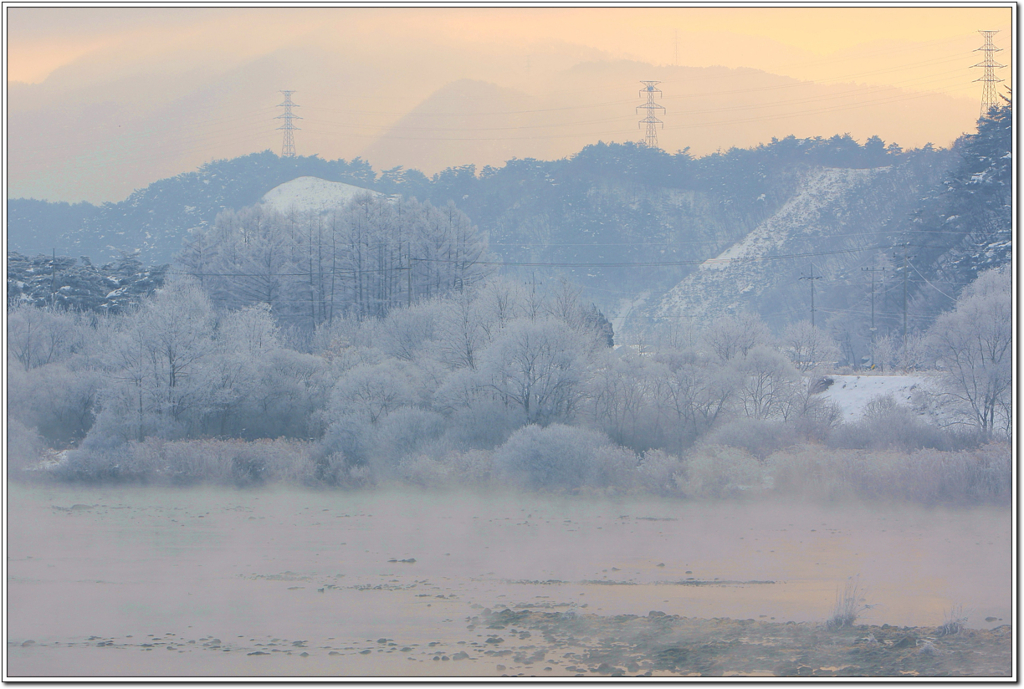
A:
(186, 82)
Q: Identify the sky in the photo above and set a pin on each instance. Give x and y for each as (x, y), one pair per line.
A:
(136, 94)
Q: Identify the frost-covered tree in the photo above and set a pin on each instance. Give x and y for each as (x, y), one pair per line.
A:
(623, 398)
(157, 367)
(809, 348)
(536, 366)
(363, 260)
(973, 345)
(729, 337)
(699, 390)
(38, 336)
(768, 382)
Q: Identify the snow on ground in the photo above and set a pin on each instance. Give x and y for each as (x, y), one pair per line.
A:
(918, 391)
(312, 194)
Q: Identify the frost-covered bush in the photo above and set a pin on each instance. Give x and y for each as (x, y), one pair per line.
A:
(758, 437)
(24, 447)
(470, 469)
(196, 461)
(716, 471)
(889, 425)
(57, 400)
(924, 476)
(613, 466)
(814, 472)
(555, 456)
(404, 432)
(661, 473)
(483, 424)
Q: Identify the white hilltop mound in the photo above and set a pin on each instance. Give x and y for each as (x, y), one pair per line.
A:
(305, 194)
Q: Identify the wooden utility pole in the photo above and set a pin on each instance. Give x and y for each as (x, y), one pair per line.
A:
(873, 271)
(812, 277)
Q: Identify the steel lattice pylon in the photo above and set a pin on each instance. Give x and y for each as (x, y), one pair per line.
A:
(288, 147)
(652, 122)
(989, 97)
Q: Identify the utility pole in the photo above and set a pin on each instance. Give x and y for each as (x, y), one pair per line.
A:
(873, 271)
(989, 97)
(408, 290)
(906, 274)
(288, 146)
(652, 122)
(53, 280)
(812, 277)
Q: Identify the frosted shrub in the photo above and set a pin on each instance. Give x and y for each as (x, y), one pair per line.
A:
(450, 470)
(477, 418)
(404, 432)
(889, 425)
(715, 471)
(351, 436)
(556, 456)
(924, 476)
(196, 461)
(661, 473)
(758, 437)
(24, 446)
(614, 466)
(812, 471)
(421, 470)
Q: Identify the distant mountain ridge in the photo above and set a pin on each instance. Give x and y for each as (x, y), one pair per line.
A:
(633, 225)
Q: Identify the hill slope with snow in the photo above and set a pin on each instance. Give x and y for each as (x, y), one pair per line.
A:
(811, 226)
(312, 194)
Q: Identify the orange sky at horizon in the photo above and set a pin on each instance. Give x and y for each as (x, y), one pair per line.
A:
(145, 93)
(792, 41)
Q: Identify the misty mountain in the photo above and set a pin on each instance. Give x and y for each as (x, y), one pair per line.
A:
(153, 122)
(463, 120)
(154, 220)
(653, 237)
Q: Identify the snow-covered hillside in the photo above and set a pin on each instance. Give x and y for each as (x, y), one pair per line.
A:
(305, 194)
(818, 220)
(917, 391)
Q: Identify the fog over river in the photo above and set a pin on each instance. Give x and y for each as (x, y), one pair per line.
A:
(157, 581)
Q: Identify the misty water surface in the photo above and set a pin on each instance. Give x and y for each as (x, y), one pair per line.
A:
(96, 573)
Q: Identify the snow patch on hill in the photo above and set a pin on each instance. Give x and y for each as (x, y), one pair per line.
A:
(919, 392)
(312, 194)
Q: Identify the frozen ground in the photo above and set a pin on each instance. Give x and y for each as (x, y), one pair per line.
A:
(213, 581)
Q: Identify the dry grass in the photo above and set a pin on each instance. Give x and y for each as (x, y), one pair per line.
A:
(956, 621)
(847, 607)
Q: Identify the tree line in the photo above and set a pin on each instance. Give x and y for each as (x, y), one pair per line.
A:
(379, 335)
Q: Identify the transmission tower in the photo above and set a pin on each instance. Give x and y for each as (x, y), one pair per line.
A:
(288, 147)
(650, 106)
(989, 97)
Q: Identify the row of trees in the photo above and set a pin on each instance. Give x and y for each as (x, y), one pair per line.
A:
(357, 261)
(459, 372)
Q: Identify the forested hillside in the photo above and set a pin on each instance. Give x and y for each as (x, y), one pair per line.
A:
(631, 224)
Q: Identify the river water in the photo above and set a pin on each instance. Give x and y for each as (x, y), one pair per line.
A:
(166, 582)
